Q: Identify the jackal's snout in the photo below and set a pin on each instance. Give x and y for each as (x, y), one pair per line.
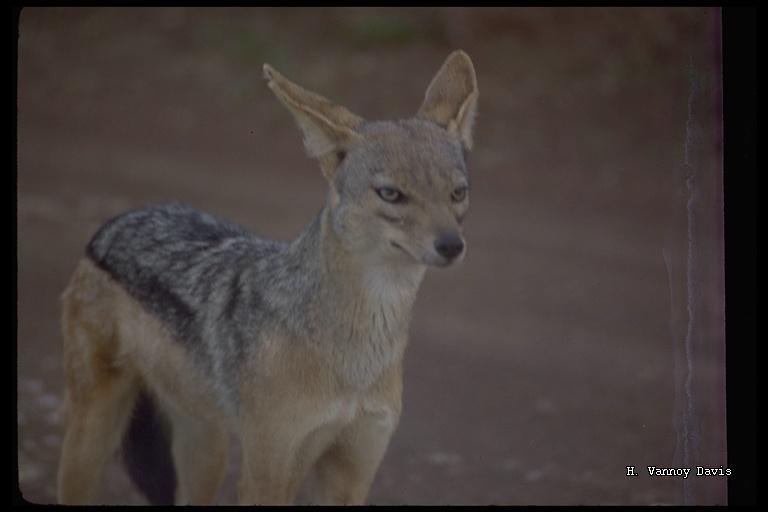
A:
(449, 246)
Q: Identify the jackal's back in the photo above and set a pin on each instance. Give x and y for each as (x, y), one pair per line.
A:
(188, 268)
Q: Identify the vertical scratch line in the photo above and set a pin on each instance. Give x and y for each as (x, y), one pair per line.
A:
(690, 185)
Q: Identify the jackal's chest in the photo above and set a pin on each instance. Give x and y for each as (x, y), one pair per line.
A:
(368, 346)
(372, 335)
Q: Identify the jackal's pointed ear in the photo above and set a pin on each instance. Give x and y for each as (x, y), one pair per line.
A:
(451, 98)
(327, 128)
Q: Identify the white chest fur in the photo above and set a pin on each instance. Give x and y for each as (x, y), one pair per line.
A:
(378, 326)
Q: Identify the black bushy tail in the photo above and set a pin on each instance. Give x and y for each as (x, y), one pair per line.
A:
(147, 452)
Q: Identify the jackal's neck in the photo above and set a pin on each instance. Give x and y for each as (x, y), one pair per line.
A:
(361, 303)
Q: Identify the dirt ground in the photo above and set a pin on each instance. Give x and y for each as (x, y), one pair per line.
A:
(584, 331)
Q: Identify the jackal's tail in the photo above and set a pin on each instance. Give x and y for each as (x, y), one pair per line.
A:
(147, 452)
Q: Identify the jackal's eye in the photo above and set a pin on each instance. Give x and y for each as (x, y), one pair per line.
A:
(459, 194)
(390, 195)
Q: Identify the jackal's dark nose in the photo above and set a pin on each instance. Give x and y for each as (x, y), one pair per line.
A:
(449, 246)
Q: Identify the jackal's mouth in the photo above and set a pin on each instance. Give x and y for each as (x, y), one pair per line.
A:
(395, 244)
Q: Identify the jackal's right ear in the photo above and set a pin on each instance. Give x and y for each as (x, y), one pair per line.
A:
(327, 128)
(451, 98)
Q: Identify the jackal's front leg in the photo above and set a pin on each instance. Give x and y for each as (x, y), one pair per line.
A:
(275, 439)
(343, 475)
(269, 472)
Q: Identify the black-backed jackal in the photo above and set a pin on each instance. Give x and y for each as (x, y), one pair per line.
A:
(181, 328)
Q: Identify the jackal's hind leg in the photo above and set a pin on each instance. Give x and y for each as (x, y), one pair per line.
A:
(101, 390)
(95, 427)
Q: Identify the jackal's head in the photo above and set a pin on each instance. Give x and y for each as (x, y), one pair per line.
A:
(398, 189)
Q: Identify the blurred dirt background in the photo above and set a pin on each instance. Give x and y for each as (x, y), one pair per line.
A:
(584, 331)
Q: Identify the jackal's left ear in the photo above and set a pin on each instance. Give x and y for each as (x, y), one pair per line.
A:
(326, 127)
(451, 98)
